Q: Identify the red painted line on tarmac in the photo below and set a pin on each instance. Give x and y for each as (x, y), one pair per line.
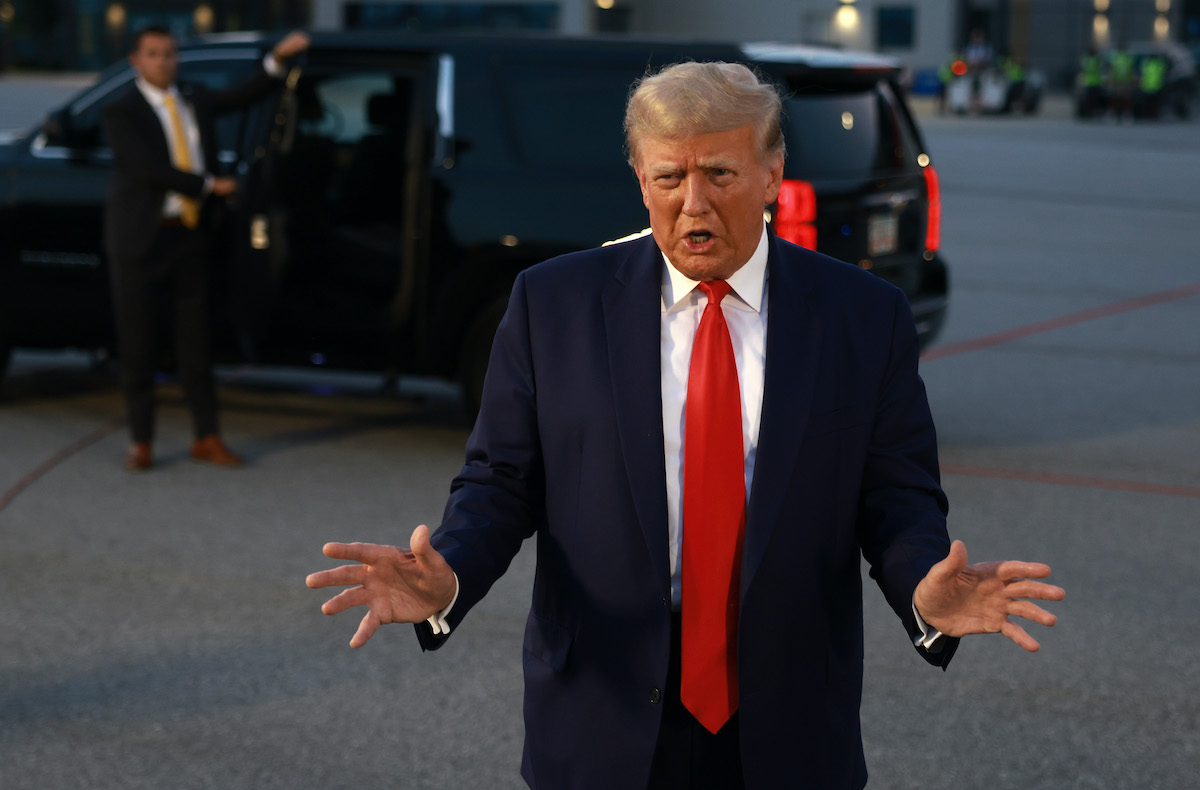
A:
(1103, 483)
(1071, 319)
(46, 466)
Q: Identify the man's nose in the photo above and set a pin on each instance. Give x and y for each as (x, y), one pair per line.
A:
(695, 197)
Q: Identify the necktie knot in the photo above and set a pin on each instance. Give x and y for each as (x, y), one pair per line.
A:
(716, 290)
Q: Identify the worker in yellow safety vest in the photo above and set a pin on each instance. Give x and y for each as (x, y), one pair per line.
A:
(1122, 78)
(1091, 96)
(1152, 78)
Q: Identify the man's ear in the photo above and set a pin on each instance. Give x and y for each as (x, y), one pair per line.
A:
(775, 172)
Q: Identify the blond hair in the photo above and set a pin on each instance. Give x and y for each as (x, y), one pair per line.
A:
(689, 99)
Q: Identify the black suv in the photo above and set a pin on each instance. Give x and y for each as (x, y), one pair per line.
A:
(394, 185)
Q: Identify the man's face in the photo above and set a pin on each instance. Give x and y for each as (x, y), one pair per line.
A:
(156, 60)
(706, 196)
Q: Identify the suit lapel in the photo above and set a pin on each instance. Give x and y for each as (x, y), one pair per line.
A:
(203, 123)
(632, 316)
(794, 336)
(154, 134)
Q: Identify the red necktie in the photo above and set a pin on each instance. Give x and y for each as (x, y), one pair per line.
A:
(714, 518)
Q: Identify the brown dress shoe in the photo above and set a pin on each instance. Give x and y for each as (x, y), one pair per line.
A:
(139, 458)
(210, 449)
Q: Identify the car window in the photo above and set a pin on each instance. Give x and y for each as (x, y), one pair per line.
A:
(344, 104)
(569, 117)
(214, 74)
(851, 133)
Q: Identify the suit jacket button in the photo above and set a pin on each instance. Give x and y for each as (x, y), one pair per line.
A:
(655, 696)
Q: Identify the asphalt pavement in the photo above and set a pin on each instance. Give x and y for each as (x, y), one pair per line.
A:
(157, 633)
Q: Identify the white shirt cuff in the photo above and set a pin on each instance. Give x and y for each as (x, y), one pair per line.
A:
(438, 621)
(272, 66)
(929, 635)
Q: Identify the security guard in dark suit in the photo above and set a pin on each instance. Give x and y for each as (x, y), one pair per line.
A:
(157, 224)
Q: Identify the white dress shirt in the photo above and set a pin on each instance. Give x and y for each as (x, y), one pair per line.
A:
(745, 310)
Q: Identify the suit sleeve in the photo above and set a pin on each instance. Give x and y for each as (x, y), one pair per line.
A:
(497, 500)
(249, 90)
(137, 161)
(902, 509)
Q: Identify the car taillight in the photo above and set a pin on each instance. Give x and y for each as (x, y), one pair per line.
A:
(933, 226)
(796, 211)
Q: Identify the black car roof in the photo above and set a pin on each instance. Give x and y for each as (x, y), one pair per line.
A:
(789, 57)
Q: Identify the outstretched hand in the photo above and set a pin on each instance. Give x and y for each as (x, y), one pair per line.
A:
(959, 599)
(395, 585)
(292, 44)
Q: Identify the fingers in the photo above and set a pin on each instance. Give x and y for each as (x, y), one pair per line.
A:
(1032, 612)
(1015, 569)
(355, 552)
(953, 564)
(1037, 590)
(366, 629)
(1017, 634)
(346, 599)
(419, 543)
(337, 577)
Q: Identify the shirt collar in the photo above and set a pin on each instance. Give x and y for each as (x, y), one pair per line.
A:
(747, 282)
(155, 95)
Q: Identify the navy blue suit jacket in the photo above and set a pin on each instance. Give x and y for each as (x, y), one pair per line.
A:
(569, 445)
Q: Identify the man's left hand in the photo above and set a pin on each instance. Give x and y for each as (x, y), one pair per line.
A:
(292, 44)
(959, 599)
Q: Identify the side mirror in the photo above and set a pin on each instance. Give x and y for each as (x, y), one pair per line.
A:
(58, 128)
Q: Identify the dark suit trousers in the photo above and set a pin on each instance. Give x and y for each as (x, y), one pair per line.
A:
(687, 756)
(165, 290)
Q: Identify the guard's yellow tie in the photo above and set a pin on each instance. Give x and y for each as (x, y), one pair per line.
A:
(190, 215)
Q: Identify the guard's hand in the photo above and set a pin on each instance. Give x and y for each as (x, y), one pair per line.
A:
(292, 44)
(397, 586)
(959, 599)
(224, 186)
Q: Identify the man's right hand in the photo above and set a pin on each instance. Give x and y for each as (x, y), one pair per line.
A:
(397, 586)
(224, 186)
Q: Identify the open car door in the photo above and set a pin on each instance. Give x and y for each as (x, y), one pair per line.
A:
(332, 217)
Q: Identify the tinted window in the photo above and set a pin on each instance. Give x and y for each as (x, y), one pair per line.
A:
(215, 74)
(842, 134)
(569, 117)
(345, 103)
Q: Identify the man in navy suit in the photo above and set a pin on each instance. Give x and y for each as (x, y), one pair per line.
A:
(583, 439)
(158, 214)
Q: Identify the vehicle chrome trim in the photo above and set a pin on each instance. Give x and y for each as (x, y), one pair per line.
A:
(445, 109)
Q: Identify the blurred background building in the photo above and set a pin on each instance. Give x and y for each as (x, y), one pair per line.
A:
(1047, 34)
(84, 35)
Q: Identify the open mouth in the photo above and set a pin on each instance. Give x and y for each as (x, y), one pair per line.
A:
(699, 237)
